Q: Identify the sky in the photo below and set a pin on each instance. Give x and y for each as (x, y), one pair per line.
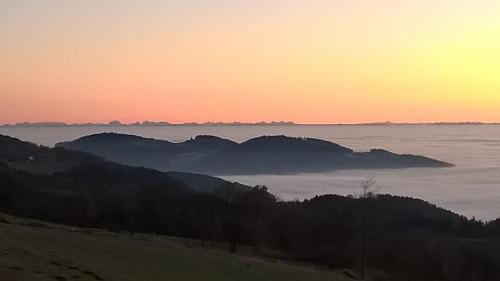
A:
(336, 61)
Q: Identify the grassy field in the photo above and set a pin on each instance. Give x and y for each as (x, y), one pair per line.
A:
(33, 251)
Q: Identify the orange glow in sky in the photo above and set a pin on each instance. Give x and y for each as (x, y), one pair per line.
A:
(338, 61)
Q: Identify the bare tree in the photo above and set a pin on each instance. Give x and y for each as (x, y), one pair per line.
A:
(369, 190)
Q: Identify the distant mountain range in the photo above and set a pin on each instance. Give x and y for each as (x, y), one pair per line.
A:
(144, 123)
(272, 123)
(262, 155)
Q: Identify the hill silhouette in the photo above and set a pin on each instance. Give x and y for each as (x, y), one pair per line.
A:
(261, 155)
(39, 160)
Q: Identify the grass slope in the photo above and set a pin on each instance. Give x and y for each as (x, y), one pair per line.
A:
(32, 251)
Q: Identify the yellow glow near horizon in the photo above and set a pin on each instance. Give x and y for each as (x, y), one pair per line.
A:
(304, 61)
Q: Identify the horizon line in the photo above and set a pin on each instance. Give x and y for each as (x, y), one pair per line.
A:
(232, 123)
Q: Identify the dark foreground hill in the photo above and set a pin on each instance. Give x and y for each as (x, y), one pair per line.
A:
(33, 250)
(408, 239)
(262, 155)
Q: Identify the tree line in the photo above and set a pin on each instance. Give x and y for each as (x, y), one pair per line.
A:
(407, 238)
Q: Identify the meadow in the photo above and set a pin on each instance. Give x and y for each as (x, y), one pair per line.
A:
(31, 250)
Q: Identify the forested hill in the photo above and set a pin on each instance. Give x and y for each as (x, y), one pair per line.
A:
(262, 155)
(409, 239)
(39, 160)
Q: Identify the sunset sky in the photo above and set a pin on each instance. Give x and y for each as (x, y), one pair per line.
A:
(336, 61)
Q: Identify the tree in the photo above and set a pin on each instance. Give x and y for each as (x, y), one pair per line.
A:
(369, 190)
